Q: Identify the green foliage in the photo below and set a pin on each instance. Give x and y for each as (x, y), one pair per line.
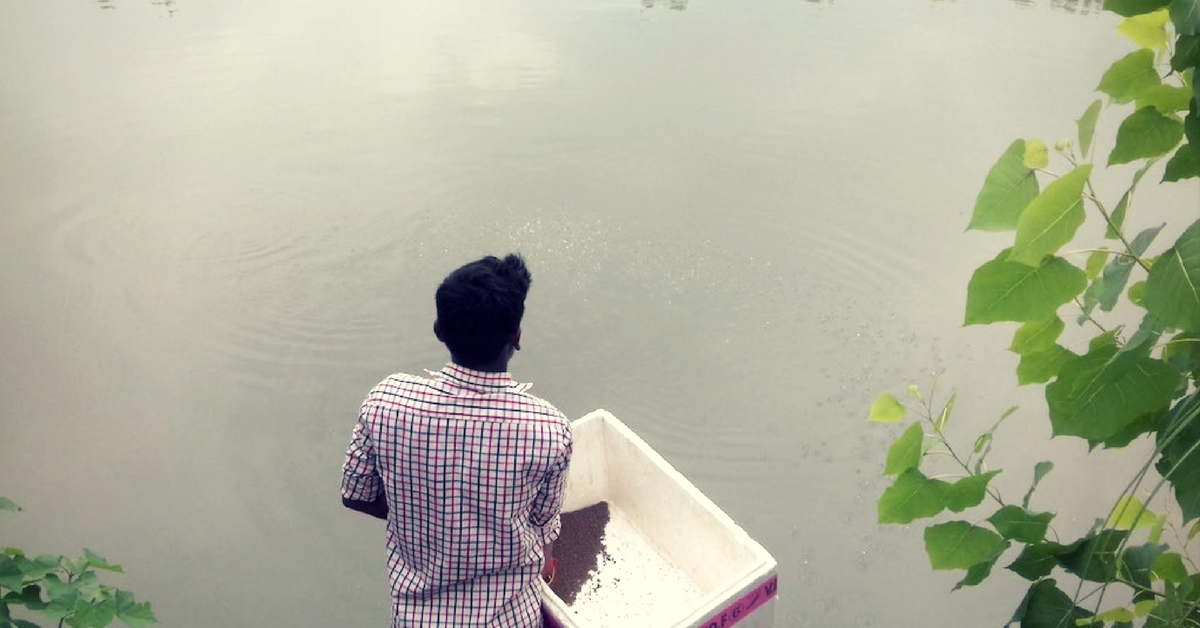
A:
(1134, 379)
(66, 591)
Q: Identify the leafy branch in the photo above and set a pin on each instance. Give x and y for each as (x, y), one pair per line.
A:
(1119, 388)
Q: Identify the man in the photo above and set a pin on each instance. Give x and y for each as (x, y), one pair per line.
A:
(467, 467)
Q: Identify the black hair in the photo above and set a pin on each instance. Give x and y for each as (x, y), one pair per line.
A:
(479, 308)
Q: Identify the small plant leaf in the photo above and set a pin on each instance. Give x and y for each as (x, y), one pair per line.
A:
(134, 615)
(1185, 14)
(1148, 30)
(8, 504)
(1017, 524)
(960, 545)
(1131, 514)
(96, 562)
(968, 491)
(1037, 335)
(912, 496)
(1127, 8)
(977, 573)
(1098, 394)
(1146, 133)
(905, 453)
(886, 409)
(1165, 98)
(1051, 219)
(1039, 367)
(1169, 566)
(1096, 558)
(1129, 76)
(1179, 462)
(1040, 470)
(1187, 53)
(1039, 559)
(1184, 164)
(1106, 290)
(1087, 126)
(947, 410)
(1046, 606)
(1003, 290)
(1173, 287)
(1009, 187)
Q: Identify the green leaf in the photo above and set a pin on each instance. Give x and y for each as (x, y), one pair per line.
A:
(947, 410)
(1171, 611)
(1095, 263)
(1017, 524)
(1045, 606)
(93, 613)
(134, 615)
(8, 504)
(1148, 30)
(1098, 394)
(905, 453)
(1169, 566)
(1180, 458)
(11, 576)
(1007, 190)
(1106, 290)
(97, 562)
(1183, 165)
(1036, 154)
(1173, 287)
(1183, 353)
(968, 491)
(1096, 558)
(1135, 563)
(1117, 218)
(1051, 219)
(1039, 559)
(1037, 335)
(40, 566)
(1131, 514)
(1087, 126)
(977, 573)
(1039, 367)
(1129, 76)
(960, 545)
(1003, 290)
(1040, 470)
(1145, 133)
(912, 496)
(1126, 8)
(886, 409)
(1165, 98)
(1185, 14)
(1187, 53)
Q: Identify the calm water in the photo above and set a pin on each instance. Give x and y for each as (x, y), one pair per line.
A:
(223, 220)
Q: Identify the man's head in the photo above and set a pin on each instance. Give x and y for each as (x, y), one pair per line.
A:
(479, 310)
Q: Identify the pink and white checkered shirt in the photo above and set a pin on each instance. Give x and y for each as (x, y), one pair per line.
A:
(473, 468)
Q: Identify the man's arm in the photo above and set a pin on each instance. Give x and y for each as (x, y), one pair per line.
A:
(377, 508)
(362, 488)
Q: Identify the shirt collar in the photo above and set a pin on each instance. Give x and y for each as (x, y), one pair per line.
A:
(480, 381)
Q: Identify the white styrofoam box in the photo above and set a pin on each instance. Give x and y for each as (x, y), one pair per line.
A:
(736, 576)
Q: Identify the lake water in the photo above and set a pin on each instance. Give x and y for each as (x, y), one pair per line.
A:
(222, 221)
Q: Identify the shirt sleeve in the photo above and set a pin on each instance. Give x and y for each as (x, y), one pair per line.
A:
(548, 503)
(360, 477)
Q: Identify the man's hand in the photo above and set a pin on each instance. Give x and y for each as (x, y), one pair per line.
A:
(551, 565)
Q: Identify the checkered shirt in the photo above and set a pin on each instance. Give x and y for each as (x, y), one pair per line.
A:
(473, 468)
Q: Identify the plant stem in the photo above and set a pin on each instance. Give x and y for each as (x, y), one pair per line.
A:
(1091, 195)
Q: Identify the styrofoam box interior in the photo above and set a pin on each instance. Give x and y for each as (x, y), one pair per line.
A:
(611, 463)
